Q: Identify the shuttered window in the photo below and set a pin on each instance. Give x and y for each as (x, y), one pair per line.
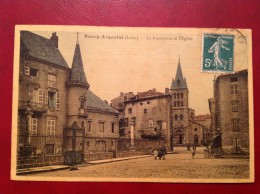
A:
(57, 101)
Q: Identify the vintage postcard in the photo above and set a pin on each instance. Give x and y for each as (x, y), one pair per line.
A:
(128, 104)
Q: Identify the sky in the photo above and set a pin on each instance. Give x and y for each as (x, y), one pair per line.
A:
(139, 59)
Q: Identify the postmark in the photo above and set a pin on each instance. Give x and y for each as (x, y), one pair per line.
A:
(217, 53)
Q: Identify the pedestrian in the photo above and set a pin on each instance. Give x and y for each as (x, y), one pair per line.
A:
(155, 153)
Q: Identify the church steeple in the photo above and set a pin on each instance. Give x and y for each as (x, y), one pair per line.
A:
(180, 81)
(77, 74)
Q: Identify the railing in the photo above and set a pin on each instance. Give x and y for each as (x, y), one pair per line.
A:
(41, 107)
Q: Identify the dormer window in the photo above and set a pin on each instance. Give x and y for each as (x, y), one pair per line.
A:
(30, 71)
(52, 80)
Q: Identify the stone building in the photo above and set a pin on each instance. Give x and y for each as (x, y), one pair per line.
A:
(149, 113)
(54, 100)
(229, 110)
(162, 118)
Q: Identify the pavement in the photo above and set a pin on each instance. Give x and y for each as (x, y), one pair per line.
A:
(62, 167)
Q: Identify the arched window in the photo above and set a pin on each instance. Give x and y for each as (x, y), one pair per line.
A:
(181, 95)
(181, 117)
(174, 95)
(174, 103)
(176, 117)
(181, 104)
(178, 103)
(178, 96)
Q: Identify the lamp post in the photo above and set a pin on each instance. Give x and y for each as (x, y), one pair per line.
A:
(132, 148)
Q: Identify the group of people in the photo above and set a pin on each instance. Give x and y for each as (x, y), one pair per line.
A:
(160, 153)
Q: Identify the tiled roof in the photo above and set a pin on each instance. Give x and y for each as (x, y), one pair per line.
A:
(202, 117)
(94, 102)
(148, 94)
(42, 48)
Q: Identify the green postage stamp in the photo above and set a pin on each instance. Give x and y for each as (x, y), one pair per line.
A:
(217, 53)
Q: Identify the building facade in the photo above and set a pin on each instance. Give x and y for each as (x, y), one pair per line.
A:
(55, 99)
(229, 110)
(162, 118)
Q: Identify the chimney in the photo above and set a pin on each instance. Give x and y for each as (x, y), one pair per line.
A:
(106, 101)
(55, 39)
(121, 94)
(154, 90)
(167, 91)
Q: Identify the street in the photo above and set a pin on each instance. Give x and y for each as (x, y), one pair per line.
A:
(176, 166)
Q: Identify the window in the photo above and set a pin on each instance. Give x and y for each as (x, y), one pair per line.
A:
(174, 103)
(181, 117)
(234, 89)
(33, 94)
(112, 127)
(50, 127)
(235, 124)
(176, 117)
(235, 105)
(236, 145)
(145, 110)
(33, 72)
(83, 103)
(82, 124)
(33, 126)
(130, 111)
(49, 149)
(150, 123)
(133, 121)
(233, 79)
(126, 122)
(102, 127)
(30, 71)
(141, 103)
(52, 80)
(87, 143)
(181, 95)
(181, 104)
(159, 125)
(174, 95)
(178, 96)
(57, 101)
(148, 102)
(89, 126)
(40, 96)
(51, 99)
(26, 70)
(178, 103)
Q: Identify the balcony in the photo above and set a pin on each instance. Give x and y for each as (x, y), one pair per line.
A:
(35, 107)
(83, 112)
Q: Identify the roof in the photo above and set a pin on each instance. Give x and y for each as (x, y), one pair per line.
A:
(77, 75)
(202, 117)
(148, 93)
(180, 81)
(42, 48)
(94, 102)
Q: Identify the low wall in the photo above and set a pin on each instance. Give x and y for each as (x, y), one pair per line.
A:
(98, 156)
(36, 161)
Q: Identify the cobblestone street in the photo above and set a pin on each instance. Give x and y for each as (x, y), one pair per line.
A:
(176, 166)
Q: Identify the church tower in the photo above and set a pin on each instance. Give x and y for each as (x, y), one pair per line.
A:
(180, 107)
(77, 91)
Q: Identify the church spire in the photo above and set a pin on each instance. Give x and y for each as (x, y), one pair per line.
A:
(77, 74)
(180, 81)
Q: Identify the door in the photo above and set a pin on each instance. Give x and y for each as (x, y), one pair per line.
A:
(180, 139)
